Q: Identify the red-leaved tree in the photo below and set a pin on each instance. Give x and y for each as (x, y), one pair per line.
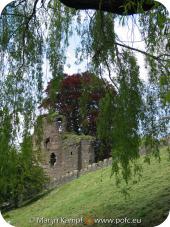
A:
(77, 97)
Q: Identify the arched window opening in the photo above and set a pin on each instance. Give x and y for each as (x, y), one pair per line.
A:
(53, 159)
(59, 124)
(46, 142)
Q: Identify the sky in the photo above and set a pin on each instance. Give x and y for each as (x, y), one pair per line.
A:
(125, 34)
(129, 35)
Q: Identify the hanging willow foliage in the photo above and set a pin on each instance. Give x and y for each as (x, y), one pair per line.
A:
(32, 32)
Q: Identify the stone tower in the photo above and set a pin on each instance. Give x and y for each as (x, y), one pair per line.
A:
(63, 152)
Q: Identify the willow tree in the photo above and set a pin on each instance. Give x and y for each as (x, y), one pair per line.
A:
(35, 31)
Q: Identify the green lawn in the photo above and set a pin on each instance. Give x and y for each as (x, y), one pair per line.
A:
(96, 195)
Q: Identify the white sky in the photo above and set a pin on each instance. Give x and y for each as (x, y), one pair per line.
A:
(125, 34)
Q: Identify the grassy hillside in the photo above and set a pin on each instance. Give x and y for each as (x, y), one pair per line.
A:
(95, 195)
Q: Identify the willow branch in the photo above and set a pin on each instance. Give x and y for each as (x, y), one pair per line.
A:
(33, 11)
(157, 58)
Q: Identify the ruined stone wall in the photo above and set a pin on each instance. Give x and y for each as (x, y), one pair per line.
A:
(63, 152)
(51, 144)
(71, 151)
(76, 173)
(87, 153)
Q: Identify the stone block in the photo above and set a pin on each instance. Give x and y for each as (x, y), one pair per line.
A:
(110, 161)
(94, 166)
(100, 164)
(89, 167)
(105, 162)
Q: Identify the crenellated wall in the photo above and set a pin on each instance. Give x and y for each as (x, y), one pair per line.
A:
(77, 173)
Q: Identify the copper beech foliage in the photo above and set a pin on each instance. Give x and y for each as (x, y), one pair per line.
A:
(77, 97)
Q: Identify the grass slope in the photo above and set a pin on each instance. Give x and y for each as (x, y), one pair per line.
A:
(96, 195)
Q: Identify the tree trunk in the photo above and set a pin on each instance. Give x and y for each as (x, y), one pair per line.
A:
(113, 6)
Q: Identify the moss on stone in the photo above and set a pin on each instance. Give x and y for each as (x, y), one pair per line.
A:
(52, 116)
(76, 138)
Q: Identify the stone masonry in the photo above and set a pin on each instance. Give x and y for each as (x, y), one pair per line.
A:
(63, 152)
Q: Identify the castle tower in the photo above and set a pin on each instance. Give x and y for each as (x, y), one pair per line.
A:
(63, 152)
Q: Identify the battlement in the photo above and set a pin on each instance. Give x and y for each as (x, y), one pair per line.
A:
(77, 173)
